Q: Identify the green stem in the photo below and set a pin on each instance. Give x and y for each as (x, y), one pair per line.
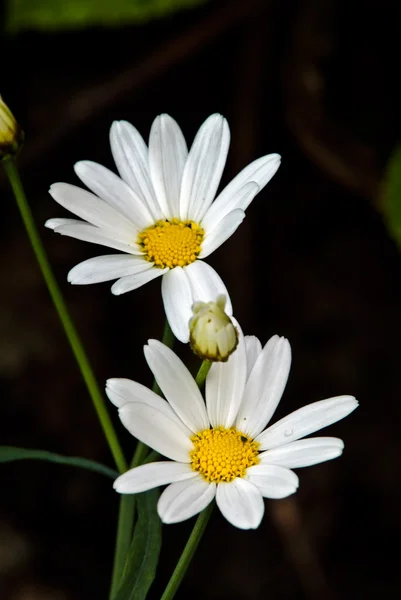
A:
(187, 553)
(70, 331)
(202, 373)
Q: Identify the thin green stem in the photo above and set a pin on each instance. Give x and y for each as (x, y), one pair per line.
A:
(70, 331)
(202, 373)
(187, 553)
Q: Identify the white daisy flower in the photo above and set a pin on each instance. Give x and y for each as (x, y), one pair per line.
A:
(220, 450)
(160, 212)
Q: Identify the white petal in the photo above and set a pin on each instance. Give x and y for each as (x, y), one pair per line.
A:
(206, 284)
(131, 157)
(239, 200)
(253, 349)
(121, 391)
(225, 386)
(54, 223)
(265, 386)
(177, 300)
(184, 499)
(94, 210)
(156, 425)
(241, 503)
(105, 268)
(273, 481)
(307, 420)
(304, 453)
(222, 232)
(260, 171)
(133, 282)
(153, 475)
(204, 167)
(111, 188)
(177, 385)
(167, 156)
(89, 233)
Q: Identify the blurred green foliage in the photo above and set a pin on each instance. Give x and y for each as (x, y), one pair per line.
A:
(392, 195)
(70, 14)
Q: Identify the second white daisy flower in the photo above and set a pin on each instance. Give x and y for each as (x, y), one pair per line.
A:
(161, 212)
(220, 450)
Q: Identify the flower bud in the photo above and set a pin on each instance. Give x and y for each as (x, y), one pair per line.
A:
(11, 135)
(212, 333)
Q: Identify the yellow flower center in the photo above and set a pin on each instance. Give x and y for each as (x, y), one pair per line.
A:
(221, 454)
(172, 243)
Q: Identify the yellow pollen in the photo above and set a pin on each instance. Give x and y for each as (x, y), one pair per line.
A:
(221, 454)
(172, 243)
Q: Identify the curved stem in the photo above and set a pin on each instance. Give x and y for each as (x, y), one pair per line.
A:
(187, 553)
(69, 328)
(202, 373)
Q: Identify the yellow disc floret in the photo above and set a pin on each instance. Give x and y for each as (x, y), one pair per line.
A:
(221, 454)
(172, 243)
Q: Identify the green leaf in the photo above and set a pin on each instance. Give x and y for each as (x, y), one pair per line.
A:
(70, 14)
(11, 453)
(392, 195)
(143, 556)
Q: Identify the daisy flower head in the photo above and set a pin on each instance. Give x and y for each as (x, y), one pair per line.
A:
(161, 212)
(220, 449)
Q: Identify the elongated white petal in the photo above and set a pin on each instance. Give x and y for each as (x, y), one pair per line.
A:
(273, 481)
(241, 503)
(204, 167)
(253, 349)
(130, 154)
(153, 475)
(156, 425)
(105, 268)
(167, 156)
(184, 499)
(240, 199)
(94, 235)
(225, 386)
(222, 232)
(133, 282)
(303, 453)
(265, 386)
(177, 385)
(307, 420)
(54, 223)
(111, 188)
(206, 284)
(177, 300)
(94, 210)
(260, 171)
(120, 391)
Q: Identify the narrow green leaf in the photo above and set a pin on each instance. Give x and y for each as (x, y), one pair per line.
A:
(11, 453)
(68, 14)
(140, 568)
(392, 195)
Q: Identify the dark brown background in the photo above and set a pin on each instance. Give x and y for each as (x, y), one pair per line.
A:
(317, 82)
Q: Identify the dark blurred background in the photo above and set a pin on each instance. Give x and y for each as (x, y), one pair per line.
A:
(316, 82)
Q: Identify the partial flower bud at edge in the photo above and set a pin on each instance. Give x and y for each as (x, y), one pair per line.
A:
(11, 135)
